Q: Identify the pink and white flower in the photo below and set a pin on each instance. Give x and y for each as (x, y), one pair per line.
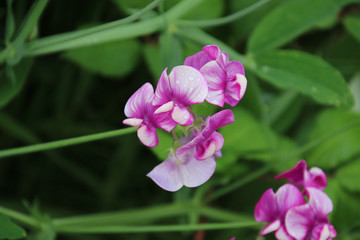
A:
(301, 177)
(183, 87)
(140, 113)
(226, 79)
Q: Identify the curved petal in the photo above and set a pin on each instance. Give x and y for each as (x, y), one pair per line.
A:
(194, 172)
(296, 174)
(134, 122)
(212, 51)
(288, 196)
(148, 136)
(209, 147)
(136, 105)
(299, 221)
(167, 107)
(316, 178)
(323, 232)
(266, 210)
(167, 175)
(272, 227)
(319, 201)
(182, 116)
(282, 234)
(163, 90)
(235, 67)
(197, 60)
(235, 89)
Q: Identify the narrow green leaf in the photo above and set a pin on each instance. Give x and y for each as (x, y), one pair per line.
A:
(352, 24)
(290, 20)
(170, 50)
(10, 22)
(114, 59)
(349, 176)
(305, 73)
(12, 81)
(339, 148)
(153, 60)
(9, 230)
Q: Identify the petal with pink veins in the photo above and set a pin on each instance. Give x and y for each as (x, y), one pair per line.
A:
(288, 196)
(299, 221)
(148, 136)
(266, 210)
(319, 202)
(135, 106)
(182, 116)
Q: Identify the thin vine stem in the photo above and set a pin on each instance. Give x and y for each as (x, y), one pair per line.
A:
(22, 218)
(223, 20)
(64, 143)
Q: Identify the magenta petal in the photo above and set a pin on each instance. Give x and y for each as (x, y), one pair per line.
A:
(197, 60)
(235, 67)
(212, 51)
(323, 232)
(148, 136)
(319, 202)
(164, 121)
(288, 196)
(182, 116)
(235, 89)
(167, 175)
(315, 178)
(295, 175)
(299, 221)
(135, 106)
(162, 92)
(194, 173)
(266, 210)
(209, 147)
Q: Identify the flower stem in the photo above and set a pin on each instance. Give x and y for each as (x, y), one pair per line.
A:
(22, 218)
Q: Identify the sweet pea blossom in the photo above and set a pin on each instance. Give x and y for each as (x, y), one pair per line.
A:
(208, 142)
(301, 177)
(226, 79)
(175, 172)
(309, 221)
(140, 113)
(183, 87)
(273, 207)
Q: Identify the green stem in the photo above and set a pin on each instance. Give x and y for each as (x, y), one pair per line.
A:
(21, 218)
(102, 34)
(163, 228)
(223, 20)
(65, 142)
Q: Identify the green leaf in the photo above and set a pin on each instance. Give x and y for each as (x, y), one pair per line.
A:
(352, 25)
(349, 176)
(12, 81)
(290, 20)
(46, 233)
(339, 148)
(165, 143)
(9, 230)
(126, 4)
(170, 50)
(113, 59)
(305, 73)
(153, 60)
(207, 9)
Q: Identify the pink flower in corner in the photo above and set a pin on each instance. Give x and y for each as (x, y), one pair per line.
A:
(208, 142)
(272, 207)
(302, 177)
(226, 79)
(140, 113)
(183, 87)
(174, 172)
(309, 221)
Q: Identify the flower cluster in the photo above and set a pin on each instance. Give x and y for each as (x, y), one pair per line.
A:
(207, 75)
(290, 216)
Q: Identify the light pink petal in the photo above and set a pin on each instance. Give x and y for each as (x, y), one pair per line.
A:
(315, 178)
(194, 172)
(299, 221)
(164, 121)
(218, 154)
(134, 122)
(148, 136)
(295, 175)
(167, 175)
(319, 202)
(182, 116)
(323, 232)
(235, 67)
(187, 85)
(266, 210)
(216, 121)
(197, 60)
(272, 227)
(135, 106)
(235, 89)
(282, 234)
(288, 196)
(167, 107)
(209, 147)
(216, 97)
(163, 92)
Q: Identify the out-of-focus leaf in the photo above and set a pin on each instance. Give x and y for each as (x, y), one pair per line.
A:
(46, 233)
(344, 54)
(305, 73)
(204, 109)
(290, 20)
(171, 50)
(352, 24)
(114, 59)
(165, 143)
(12, 80)
(339, 148)
(9, 230)
(355, 89)
(153, 60)
(349, 176)
(126, 4)
(253, 99)
(248, 138)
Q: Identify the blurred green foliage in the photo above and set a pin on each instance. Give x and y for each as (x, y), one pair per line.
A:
(302, 62)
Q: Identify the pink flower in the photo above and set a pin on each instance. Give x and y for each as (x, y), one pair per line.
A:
(273, 207)
(226, 80)
(208, 142)
(309, 221)
(301, 177)
(183, 87)
(140, 113)
(174, 172)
